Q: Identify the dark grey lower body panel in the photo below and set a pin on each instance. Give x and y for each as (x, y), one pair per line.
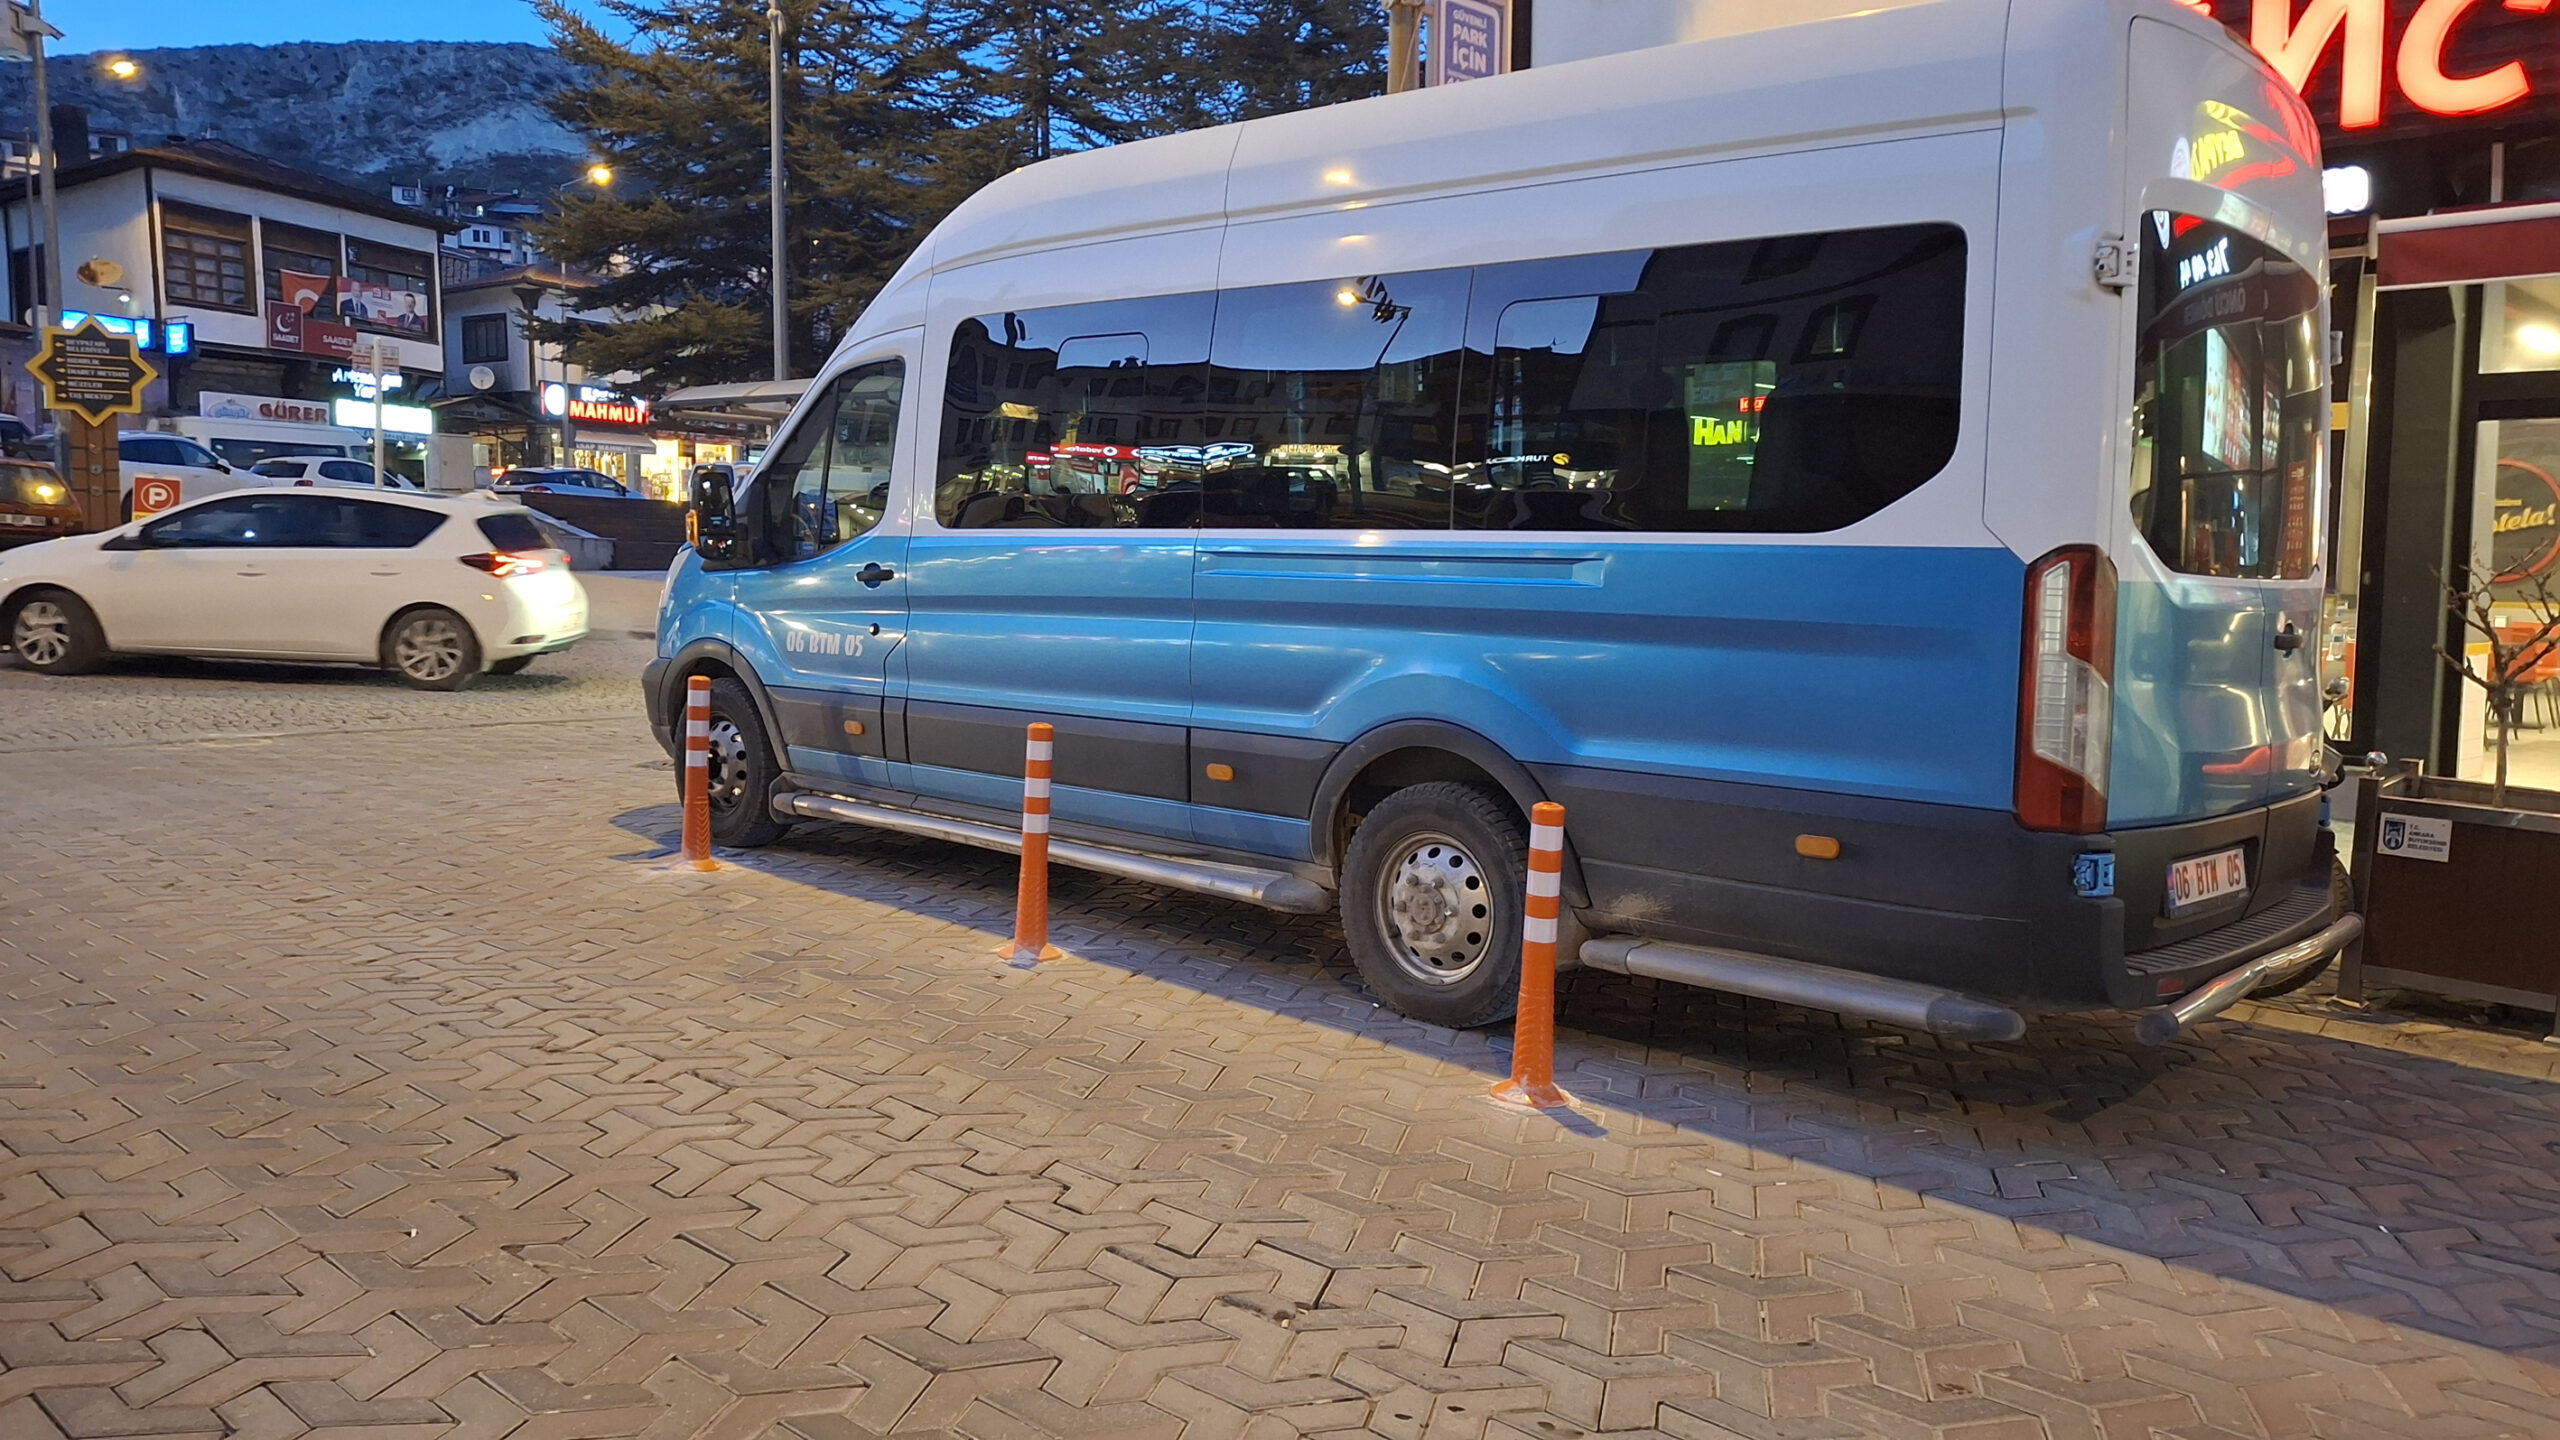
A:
(1937, 894)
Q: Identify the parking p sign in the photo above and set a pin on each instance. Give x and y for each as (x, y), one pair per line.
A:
(153, 494)
(1470, 40)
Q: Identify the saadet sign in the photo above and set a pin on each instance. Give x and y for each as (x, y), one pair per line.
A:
(2385, 69)
(221, 405)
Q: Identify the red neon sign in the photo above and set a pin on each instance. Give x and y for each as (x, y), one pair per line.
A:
(2356, 39)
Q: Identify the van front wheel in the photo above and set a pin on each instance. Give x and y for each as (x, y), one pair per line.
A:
(1432, 894)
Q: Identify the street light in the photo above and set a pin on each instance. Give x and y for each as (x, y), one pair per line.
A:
(600, 175)
(781, 292)
(122, 67)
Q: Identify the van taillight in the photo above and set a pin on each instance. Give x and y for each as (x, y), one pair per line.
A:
(2066, 691)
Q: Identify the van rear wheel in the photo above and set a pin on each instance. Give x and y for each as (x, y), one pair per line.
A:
(1433, 888)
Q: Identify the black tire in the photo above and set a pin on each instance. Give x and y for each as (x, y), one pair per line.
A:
(1432, 893)
(2342, 894)
(743, 768)
(513, 665)
(431, 648)
(56, 633)
(126, 508)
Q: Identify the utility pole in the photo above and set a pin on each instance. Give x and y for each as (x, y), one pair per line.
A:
(781, 266)
(48, 276)
(1404, 45)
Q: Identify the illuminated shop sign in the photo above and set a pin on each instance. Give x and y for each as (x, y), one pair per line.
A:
(178, 337)
(397, 419)
(361, 381)
(594, 405)
(2360, 61)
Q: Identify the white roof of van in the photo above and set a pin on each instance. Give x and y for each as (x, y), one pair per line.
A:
(1777, 75)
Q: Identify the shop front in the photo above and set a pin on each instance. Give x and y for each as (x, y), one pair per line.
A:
(2441, 131)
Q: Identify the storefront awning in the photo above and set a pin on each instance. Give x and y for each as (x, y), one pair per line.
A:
(762, 402)
(2507, 242)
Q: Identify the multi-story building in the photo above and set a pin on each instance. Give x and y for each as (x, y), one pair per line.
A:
(247, 280)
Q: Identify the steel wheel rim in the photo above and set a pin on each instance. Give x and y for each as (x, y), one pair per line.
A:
(728, 763)
(42, 633)
(428, 648)
(1437, 910)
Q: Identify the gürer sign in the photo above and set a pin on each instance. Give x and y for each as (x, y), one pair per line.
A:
(2365, 63)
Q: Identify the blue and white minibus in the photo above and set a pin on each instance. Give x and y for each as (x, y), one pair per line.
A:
(1867, 465)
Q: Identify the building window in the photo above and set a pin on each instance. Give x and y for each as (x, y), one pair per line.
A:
(484, 339)
(290, 250)
(388, 289)
(205, 257)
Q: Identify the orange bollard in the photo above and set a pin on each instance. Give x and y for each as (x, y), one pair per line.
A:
(697, 776)
(1030, 944)
(1533, 1033)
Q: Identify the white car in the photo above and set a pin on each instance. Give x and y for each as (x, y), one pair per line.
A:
(329, 470)
(435, 590)
(194, 470)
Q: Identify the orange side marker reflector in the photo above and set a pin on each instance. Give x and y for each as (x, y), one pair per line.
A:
(1222, 772)
(1817, 847)
(853, 727)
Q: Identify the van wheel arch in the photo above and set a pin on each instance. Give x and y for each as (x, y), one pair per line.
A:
(1397, 757)
(716, 660)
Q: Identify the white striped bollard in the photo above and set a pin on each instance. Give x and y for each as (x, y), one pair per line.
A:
(697, 775)
(1030, 943)
(1533, 1032)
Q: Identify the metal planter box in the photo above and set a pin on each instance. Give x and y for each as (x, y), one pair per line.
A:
(2447, 883)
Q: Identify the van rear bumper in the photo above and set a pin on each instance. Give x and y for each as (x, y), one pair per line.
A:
(1937, 894)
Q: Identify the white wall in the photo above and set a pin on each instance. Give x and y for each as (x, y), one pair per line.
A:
(1568, 30)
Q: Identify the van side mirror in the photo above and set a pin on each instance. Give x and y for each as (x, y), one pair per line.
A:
(712, 524)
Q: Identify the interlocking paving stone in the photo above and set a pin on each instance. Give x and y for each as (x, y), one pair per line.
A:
(360, 1077)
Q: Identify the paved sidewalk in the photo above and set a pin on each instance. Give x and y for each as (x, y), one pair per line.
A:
(376, 1083)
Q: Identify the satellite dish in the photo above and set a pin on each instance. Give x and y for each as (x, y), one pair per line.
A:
(101, 272)
(482, 377)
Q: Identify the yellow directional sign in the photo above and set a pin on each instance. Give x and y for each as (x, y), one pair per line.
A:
(92, 372)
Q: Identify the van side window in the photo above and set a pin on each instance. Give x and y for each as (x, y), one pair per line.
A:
(1331, 405)
(829, 481)
(1795, 385)
(1082, 416)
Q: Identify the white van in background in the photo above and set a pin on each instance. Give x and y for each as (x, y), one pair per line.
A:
(243, 443)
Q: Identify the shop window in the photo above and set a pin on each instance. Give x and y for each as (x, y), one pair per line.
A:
(289, 250)
(1796, 384)
(388, 290)
(1333, 403)
(204, 257)
(2231, 408)
(829, 480)
(1094, 424)
(2523, 325)
(485, 339)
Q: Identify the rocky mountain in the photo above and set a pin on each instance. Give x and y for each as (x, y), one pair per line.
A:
(373, 112)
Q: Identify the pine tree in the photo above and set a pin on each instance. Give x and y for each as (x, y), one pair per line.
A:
(896, 110)
(681, 241)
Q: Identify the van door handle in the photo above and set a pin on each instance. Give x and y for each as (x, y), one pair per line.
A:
(2288, 639)
(874, 573)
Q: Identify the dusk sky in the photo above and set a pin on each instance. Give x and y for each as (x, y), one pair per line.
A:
(150, 24)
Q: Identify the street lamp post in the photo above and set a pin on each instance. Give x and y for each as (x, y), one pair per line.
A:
(781, 273)
(530, 297)
(48, 277)
(1404, 45)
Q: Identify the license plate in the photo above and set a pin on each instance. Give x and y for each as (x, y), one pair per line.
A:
(33, 521)
(2202, 879)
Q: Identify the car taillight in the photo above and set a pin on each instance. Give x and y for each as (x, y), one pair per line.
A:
(2066, 691)
(506, 566)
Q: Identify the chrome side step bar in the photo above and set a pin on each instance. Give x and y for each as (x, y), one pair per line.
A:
(2223, 991)
(1270, 889)
(1869, 997)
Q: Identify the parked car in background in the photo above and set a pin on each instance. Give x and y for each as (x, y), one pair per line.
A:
(435, 590)
(197, 471)
(562, 480)
(34, 503)
(330, 470)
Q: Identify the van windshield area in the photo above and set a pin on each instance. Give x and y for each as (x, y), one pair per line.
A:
(2230, 404)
